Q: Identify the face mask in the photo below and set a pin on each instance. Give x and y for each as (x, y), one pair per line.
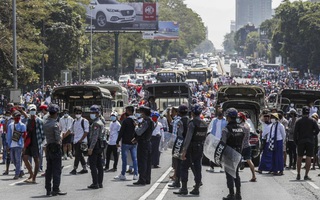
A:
(16, 119)
(8, 117)
(33, 112)
(66, 115)
(113, 118)
(238, 120)
(22, 117)
(92, 116)
(140, 120)
(137, 115)
(292, 105)
(154, 119)
(273, 120)
(78, 116)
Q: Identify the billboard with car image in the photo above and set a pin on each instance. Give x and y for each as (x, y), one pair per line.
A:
(110, 16)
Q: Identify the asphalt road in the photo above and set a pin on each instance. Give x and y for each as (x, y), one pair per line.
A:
(214, 187)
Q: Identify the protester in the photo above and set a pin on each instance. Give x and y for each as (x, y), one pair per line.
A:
(126, 136)
(33, 142)
(16, 133)
(304, 132)
(80, 131)
(65, 124)
(112, 148)
(157, 136)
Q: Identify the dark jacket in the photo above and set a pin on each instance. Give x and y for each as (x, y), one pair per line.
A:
(127, 131)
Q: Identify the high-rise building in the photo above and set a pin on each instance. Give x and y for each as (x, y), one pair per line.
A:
(252, 11)
(233, 26)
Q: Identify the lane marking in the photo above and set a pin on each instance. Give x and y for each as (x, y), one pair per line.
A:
(313, 185)
(154, 186)
(163, 192)
(12, 184)
(309, 182)
(66, 167)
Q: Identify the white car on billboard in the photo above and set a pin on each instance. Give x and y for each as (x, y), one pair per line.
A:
(106, 12)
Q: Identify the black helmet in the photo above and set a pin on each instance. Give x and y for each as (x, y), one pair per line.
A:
(232, 112)
(183, 109)
(196, 109)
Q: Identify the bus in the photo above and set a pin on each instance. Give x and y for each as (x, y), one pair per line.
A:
(199, 74)
(120, 97)
(84, 96)
(274, 67)
(169, 94)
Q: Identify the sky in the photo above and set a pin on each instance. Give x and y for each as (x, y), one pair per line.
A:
(217, 15)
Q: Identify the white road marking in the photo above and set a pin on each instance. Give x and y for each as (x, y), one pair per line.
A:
(309, 182)
(157, 183)
(163, 192)
(313, 185)
(15, 183)
(66, 167)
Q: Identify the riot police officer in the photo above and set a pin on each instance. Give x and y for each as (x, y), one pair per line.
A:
(192, 151)
(143, 136)
(53, 152)
(95, 148)
(182, 128)
(232, 135)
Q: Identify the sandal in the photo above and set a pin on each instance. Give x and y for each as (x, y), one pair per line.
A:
(253, 180)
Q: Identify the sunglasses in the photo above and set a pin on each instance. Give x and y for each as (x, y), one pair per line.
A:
(78, 112)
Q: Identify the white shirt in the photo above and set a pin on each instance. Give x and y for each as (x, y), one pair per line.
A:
(313, 110)
(158, 129)
(114, 132)
(65, 124)
(164, 123)
(265, 130)
(281, 133)
(78, 131)
(218, 129)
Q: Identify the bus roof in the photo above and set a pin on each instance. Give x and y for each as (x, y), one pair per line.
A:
(80, 92)
(161, 90)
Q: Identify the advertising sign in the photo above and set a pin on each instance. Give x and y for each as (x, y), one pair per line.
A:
(167, 31)
(110, 15)
(138, 64)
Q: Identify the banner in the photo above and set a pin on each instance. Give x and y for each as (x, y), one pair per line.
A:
(110, 15)
(167, 31)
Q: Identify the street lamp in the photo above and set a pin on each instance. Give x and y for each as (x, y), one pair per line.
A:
(14, 45)
(91, 32)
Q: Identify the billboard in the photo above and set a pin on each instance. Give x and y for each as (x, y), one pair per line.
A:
(110, 16)
(167, 31)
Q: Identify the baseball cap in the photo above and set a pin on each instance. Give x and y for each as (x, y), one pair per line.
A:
(32, 107)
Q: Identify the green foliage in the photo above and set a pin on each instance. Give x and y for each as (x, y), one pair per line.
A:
(229, 43)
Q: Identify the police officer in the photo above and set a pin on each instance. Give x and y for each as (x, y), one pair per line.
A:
(192, 151)
(182, 128)
(95, 148)
(143, 136)
(53, 152)
(232, 135)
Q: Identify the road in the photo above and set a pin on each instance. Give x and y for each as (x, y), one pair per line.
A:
(214, 186)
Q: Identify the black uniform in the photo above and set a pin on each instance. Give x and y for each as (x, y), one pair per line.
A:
(233, 136)
(193, 144)
(143, 136)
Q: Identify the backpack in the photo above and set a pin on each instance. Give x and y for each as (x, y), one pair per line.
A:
(82, 124)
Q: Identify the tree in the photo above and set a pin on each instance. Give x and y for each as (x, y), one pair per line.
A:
(251, 43)
(228, 43)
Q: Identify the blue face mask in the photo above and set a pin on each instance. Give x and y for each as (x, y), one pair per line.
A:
(33, 112)
(113, 118)
(137, 115)
(93, 116)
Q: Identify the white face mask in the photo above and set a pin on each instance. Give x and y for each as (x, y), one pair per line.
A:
(78, 116)
(137, 115)
(93, 116)
(66, 115)
(273, 120)
(140, 120)
(238, 120)
(33, 112)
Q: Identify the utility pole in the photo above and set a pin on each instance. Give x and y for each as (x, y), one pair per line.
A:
(116, 54)
(15, 68)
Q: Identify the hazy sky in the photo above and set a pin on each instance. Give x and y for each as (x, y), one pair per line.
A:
(217, 15)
